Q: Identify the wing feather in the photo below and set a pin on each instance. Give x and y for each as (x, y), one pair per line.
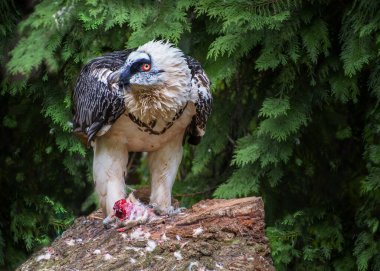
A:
(95, 105)
(200, 84)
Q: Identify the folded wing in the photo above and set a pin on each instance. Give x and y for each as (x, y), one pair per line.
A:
(200, 85)
(96, 104)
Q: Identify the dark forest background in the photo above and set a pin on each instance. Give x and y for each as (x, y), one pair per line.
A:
(296, 117)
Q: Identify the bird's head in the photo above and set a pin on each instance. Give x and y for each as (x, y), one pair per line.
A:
(137, 72)
(155, 78)
(156, 65)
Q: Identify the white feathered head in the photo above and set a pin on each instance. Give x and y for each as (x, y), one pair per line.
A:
(156, 80)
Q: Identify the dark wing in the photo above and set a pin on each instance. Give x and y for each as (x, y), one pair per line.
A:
(95, 105)
(201, 85)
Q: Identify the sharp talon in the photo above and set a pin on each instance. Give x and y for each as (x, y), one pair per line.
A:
(177, 211)
(170, 211)
(108, 221)
(152, 205)
(158, 211)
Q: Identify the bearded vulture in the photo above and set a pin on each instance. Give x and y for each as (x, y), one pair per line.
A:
(143, 100)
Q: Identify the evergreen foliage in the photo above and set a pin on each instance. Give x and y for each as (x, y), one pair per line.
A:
(296, 117)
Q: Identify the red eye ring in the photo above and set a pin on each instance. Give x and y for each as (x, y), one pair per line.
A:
(145, 67)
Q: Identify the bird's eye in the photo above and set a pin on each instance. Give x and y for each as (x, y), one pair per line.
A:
(145, 67)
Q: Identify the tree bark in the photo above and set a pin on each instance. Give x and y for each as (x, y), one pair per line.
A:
(212, 235)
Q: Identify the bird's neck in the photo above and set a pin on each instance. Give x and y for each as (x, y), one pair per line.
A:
(154, 104)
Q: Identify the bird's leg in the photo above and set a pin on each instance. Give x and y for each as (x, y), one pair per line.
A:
(109, 169)
(163, 165)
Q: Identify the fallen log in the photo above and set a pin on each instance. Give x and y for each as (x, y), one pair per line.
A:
(212, 235)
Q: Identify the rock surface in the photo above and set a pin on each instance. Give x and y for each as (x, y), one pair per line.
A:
(212, 235)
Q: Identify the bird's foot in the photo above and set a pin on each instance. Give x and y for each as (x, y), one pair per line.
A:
(127, 214)
(122, 225)
(169, 211)
(109, 222)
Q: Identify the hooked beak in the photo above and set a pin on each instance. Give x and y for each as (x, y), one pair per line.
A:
(121, 76)
(125, 76)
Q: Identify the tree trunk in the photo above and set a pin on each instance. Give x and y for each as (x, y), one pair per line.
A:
(212, 235)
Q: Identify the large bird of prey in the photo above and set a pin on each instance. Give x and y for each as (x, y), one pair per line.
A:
(143, 100)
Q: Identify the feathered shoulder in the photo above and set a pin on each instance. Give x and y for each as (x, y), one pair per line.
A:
(200, 85)
(95, 104)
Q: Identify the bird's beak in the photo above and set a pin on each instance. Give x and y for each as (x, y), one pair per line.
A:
(121, 77)
(125, 76)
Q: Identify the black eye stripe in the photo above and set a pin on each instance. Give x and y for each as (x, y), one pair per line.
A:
(136, 66)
